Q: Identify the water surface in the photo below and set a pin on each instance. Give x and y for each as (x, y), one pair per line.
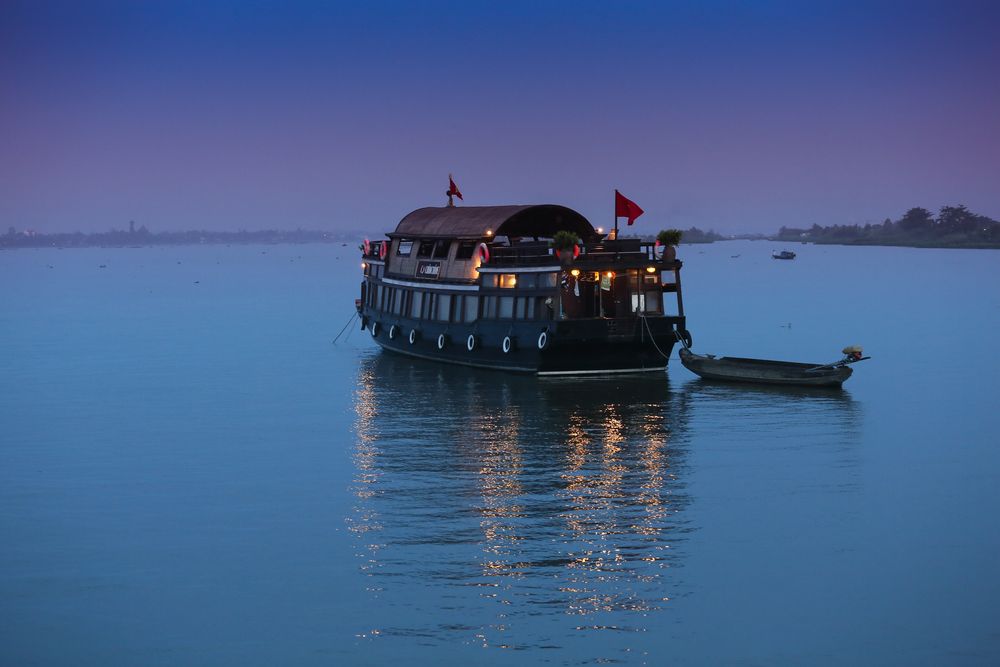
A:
(192, 473)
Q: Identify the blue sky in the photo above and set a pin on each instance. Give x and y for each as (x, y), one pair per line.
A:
(735, 116)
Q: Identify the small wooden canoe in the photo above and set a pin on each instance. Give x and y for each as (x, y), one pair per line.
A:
(736, 369)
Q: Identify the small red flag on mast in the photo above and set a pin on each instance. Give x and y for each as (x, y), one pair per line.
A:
(453, 190)
(626, 208)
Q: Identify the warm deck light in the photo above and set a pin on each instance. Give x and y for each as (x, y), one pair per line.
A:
(611, 274)
(489, 232)
(600, 230)
(650, 269)
(575, 272)
(364, 265)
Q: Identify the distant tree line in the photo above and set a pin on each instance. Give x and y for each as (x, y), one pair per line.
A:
(954, 227)
(693, 235)
(143, 237)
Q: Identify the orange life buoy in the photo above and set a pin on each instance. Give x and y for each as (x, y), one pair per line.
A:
(384, 250)
(576, 251)
(484, 253)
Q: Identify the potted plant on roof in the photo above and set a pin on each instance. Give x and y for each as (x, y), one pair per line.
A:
(566, 245)
(666, 244)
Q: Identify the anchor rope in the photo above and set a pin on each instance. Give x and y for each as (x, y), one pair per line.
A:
(349, 322)
(652, 339)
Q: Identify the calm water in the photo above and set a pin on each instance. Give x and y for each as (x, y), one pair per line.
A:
(191, 473)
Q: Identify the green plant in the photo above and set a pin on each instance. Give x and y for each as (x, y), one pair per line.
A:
(564, 240)
(669, 237)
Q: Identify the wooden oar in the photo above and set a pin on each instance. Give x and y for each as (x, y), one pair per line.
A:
(836, 364)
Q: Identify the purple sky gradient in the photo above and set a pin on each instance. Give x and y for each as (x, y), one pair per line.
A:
(732, 115)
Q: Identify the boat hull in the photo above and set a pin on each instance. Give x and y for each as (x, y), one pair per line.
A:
(554, 348)
(763, 371)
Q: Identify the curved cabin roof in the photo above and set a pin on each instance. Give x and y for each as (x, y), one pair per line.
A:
(472, 222)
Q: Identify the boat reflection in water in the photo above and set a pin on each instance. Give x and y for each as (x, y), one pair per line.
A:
(545, 497)
(523, 512)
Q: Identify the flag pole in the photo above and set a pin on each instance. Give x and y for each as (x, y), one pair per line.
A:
(615, 211)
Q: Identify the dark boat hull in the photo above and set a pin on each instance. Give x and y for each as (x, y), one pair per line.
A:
(595, 346)
(763, 371)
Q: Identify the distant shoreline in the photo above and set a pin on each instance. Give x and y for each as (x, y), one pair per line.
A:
(954, 227)
(143, 239)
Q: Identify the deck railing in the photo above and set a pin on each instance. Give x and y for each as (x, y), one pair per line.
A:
(535, 253)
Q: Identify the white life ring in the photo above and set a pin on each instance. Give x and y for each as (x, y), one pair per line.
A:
(506, 345)
(543, 340)
(442, 341)
(413, 336)
(484, 253)
(392, 332)
(470, 342)
(374, 329)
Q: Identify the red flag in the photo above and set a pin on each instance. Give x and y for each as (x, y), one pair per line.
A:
(453, 189)
(626, 208)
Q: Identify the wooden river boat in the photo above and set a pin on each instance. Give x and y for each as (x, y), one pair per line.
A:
(483, 286)
(736, 369)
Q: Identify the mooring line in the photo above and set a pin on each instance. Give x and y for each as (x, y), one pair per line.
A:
(349, 322)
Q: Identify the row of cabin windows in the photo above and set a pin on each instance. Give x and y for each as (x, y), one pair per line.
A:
(520, 280)
(436, 249)
(442, 307)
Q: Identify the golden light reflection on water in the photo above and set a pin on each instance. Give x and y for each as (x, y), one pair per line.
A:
(365, 519)
(570, 501)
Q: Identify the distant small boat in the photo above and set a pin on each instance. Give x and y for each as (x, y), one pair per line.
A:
(765, 371)
(784, 254)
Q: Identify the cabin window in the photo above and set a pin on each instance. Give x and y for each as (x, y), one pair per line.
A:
(522, 307)
(547, 280)
(654, 302)
(404, 248)
(527, 281)
(490, 280)
(441, 249)
(416, 303)
(506, 309)
(443, 309)
(465, 249)
(669, 277)
(489, 307)
(508, 280)
(397, 304)
(426, 249)
(467, 310)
